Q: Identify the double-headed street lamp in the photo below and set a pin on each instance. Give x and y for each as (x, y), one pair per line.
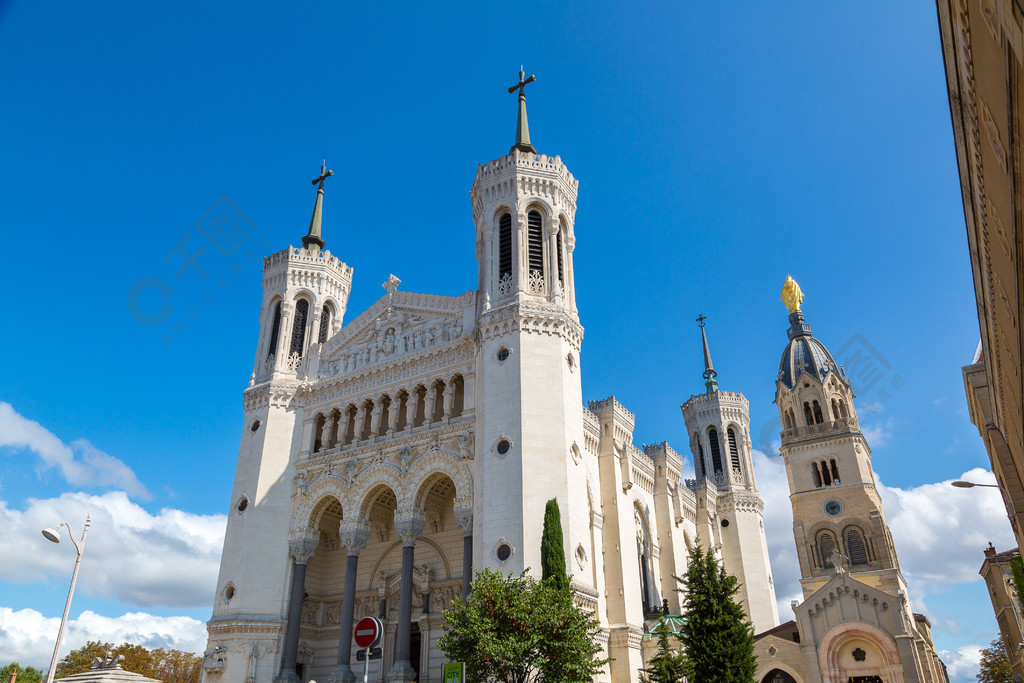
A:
(53, 534)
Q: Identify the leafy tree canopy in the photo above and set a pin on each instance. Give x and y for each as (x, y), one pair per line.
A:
(995, 666)
(718, 638)
(169, 666)
(514, 629)
(26, 674)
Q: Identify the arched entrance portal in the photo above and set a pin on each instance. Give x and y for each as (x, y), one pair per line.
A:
(778, 676)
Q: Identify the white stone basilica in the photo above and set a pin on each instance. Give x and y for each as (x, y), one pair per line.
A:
(381, 460)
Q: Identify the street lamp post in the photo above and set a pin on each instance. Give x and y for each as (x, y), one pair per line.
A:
(53, 534)
(971, 485)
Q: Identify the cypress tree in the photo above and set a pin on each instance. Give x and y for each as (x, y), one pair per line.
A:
(552, 552)
(718, 638)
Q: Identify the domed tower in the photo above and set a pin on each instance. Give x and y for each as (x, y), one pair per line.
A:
(837, 511)
(305, 293)
(529, 414)
(719, 426)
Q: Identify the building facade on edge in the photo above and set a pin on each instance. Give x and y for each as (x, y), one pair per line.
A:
(383, 459)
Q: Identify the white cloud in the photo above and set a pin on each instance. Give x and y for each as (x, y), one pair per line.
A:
(963, 663)
(27, 636)
(923, 519)
(81, 463)
(878, 434)
(959, 521)
(773, 486)
(137, 558)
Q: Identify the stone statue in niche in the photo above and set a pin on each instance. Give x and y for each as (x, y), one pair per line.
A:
(404, 459)
(388, 345)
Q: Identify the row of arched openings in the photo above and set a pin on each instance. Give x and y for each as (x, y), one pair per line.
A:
(298, 339)
(856, 550)
(813, 414)
(716, 452)
(408, 408)
(534, 246)
(825, 473)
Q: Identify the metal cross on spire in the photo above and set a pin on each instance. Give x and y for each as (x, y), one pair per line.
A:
(313, 236)
(709, 369)
(522, 125)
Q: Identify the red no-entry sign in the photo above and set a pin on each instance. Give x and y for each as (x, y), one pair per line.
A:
(368, 631)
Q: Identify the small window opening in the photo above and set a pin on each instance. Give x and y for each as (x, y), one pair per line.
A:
(299, 327)
(716, 454)
(535, 239)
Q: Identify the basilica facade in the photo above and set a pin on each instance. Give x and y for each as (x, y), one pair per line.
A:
(383, 459)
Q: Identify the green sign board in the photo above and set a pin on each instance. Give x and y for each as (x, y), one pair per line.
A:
(454, 672)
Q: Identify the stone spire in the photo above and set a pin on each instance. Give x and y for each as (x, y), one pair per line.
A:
(313, 236)
(709, 369)
(522, 125)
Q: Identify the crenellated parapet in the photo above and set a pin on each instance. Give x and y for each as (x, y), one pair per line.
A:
(520, 174)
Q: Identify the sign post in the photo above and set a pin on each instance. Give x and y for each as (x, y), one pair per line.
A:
(367, 634)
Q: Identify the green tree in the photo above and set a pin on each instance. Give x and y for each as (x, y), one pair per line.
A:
(1017, 569)
(669, 665)
(995, 666)
(552, 551)
(27, 674)
(717, 637)
(514, 629)
(169, 666)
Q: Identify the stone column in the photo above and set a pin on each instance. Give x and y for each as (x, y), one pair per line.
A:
(409, 525)
(449, 397)
(464, 518)
(554, 287)
(569, 244)
(354, 533)
(300, 550)
(284, 337)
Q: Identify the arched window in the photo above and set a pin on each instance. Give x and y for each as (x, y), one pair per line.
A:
(699, 465)
(643, 551)
(826, 476)
(318, 428)
(734, 453)
(325, 324)
(504, 246)
(826, 544)
(835, 410)
(808, 416)
(842, 408)
(299, 327)
(558, 248)
(535, 241)
(790, 422)
(818, 419)
(275, 329)
(816, 474)
(855, 548)
(835, 471)
(716, 452)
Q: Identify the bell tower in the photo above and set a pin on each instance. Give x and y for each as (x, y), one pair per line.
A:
(530, 414)
(837, 510)
(305, 293)
(719, 426)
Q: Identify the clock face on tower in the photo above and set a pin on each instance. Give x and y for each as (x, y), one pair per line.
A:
(833, 508)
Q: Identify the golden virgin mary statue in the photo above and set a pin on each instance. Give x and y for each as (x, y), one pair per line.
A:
(791, 295)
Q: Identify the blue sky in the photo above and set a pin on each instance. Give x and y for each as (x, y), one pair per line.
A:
(718, 148)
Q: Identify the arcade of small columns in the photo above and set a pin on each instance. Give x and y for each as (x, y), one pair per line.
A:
(433, 402)
(385, 498)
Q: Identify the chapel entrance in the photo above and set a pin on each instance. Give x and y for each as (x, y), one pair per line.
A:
(778, 676)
